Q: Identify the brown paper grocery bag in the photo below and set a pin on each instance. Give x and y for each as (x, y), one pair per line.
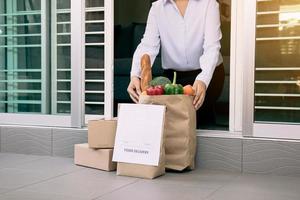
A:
(180, 129)
(143, 171)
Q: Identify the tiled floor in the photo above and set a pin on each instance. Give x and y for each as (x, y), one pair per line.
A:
(29, 177)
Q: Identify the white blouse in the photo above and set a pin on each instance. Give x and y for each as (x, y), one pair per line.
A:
(187, 43)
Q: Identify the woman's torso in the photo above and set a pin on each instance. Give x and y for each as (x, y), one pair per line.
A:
(182, 37)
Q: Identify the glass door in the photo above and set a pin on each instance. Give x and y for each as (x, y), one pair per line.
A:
(276, 72)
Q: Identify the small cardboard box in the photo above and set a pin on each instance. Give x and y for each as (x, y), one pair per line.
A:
(101, 133)
(94, 158)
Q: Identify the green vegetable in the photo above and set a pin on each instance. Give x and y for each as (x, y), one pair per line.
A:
(169, 89)
(173, 88)
(160, 81)
(179, 89)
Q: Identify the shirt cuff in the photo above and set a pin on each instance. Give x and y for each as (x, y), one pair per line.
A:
(204, 78)
(135, 73)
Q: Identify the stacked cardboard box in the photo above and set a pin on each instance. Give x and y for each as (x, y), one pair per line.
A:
(99, 150)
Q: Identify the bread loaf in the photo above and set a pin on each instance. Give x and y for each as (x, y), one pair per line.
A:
(146, 75)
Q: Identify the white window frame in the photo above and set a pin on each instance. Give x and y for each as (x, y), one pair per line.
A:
(38, 119)
(108, 63)
(236, 68)
(250, 128)
(77, 62)
(77, 118)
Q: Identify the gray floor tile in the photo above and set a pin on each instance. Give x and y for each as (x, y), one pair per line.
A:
(264, 187)
(84, 184)
(44, 178)
(15, 178)
(2, 190)
(242, 195)
(52, 166)
(151, 190)
(28, 195)
(12, 160)
(200, 178)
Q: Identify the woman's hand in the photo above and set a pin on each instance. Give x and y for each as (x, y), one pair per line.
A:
(134, 89)
(200, 92)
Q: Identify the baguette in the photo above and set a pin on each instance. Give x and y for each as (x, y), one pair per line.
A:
(146, 75)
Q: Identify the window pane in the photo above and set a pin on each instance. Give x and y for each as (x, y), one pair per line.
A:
(94, 3)
(28, 58)
(64, 15)
(91, 27)
(22, 88)
(64, 108)
(95, 15)
(94, 109)
(94, 86)
(94, 55)
(28, 5)
(277, 53)
(63, 4)
(94, 97)
(61, 66)
(94, 38)
(270, 115)
(63, 28)
(277, 74)
(63, 57)
(25, 79)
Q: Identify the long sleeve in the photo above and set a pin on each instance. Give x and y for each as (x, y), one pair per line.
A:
(150, 44)
(212, 36)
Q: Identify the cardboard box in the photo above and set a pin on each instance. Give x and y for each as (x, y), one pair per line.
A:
(94, 158)
(101, 133)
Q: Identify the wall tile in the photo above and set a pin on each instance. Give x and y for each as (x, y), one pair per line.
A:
(65, 139)
(0, 139)
(25, 140)
(219, 153)
(271, 157)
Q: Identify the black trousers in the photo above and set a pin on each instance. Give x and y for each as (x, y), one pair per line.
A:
(206, 115)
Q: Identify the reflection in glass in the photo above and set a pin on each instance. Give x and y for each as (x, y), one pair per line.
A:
(94, 55)
(277, 74)
(21, 84)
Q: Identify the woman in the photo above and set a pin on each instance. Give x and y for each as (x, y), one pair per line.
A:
(188, 33)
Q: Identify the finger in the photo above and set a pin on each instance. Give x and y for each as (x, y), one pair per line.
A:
(200, 101)
(197, 94)
(133, 98)
(138, 88)
(132, 94)
(197, 104)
